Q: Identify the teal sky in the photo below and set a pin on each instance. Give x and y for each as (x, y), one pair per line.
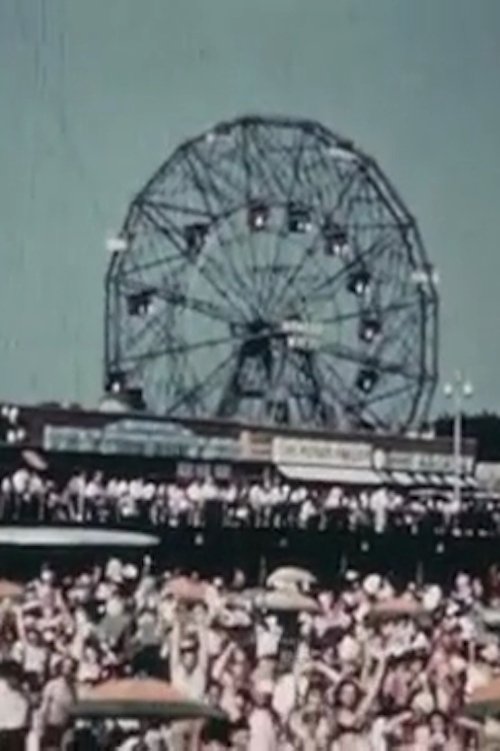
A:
(94, 95)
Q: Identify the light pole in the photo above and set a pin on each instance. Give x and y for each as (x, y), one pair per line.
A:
(458, 390)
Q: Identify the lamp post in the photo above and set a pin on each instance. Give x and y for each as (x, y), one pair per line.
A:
(458, 390)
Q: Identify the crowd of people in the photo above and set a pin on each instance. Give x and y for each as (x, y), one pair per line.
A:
(362, 663)
(29, 495)
(298, 666)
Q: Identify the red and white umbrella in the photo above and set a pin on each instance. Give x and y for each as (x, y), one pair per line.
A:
(135, 698)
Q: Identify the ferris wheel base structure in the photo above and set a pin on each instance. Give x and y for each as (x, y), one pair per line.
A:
(269, 273)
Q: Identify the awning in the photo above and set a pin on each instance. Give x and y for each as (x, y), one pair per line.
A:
(398, 478)
(421, 479)
(330, 475)
(465, 482)
(437, 480)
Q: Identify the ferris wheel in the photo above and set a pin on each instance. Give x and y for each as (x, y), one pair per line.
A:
(269, 273)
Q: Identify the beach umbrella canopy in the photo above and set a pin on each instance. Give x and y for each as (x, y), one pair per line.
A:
(286, 601)
(34, 460)
(9, 589)
(396, 608)
(485, 700)
(491, 618)
(291, 576)
(141, 698)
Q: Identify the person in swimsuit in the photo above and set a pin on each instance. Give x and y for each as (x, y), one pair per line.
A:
(311, 726)
(353, 709)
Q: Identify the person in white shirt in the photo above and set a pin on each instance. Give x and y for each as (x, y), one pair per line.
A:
(268, 635)
(286, 686)
(34, 658)
(189, 662)
(262, 723)
(57, 699)
(14, 715)
(209, 490)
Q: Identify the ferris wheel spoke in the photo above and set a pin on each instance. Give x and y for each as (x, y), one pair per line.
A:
(197, 390)
(158, 215)
(220, 290)
(318, 187)
(241, 287)
(183, 301)
(370, 405)
(152, 324)
(247, 167)
(239, 335)
(290, 279)
(204, 307)
(176, 208)
(326, 164)
(342, 352)
(347, 184)
(389, 394)
(311, 373)
(215, 226)
(212, 277)
(355, 314)
(216, 171)
(270, 177)
(313, 293)
(171, 232)
(353, 404)
(341, 393)
(393, 206)
(153, 334)
(148, 267)
(372, 252)
(288, 198)
(180, 349)
(212, 212)
(393, 338)
(206, 185)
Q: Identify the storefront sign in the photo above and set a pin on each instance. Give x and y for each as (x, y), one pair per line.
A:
(137, 438)
(322, 453)
(419, 461)
(255, 446)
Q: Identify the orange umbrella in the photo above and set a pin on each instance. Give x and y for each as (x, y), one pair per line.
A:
(188, 590)
(485, 700)
(10, 589)
(397, 608)
(134, 698)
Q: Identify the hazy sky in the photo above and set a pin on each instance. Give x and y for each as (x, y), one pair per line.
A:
(94, 94)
